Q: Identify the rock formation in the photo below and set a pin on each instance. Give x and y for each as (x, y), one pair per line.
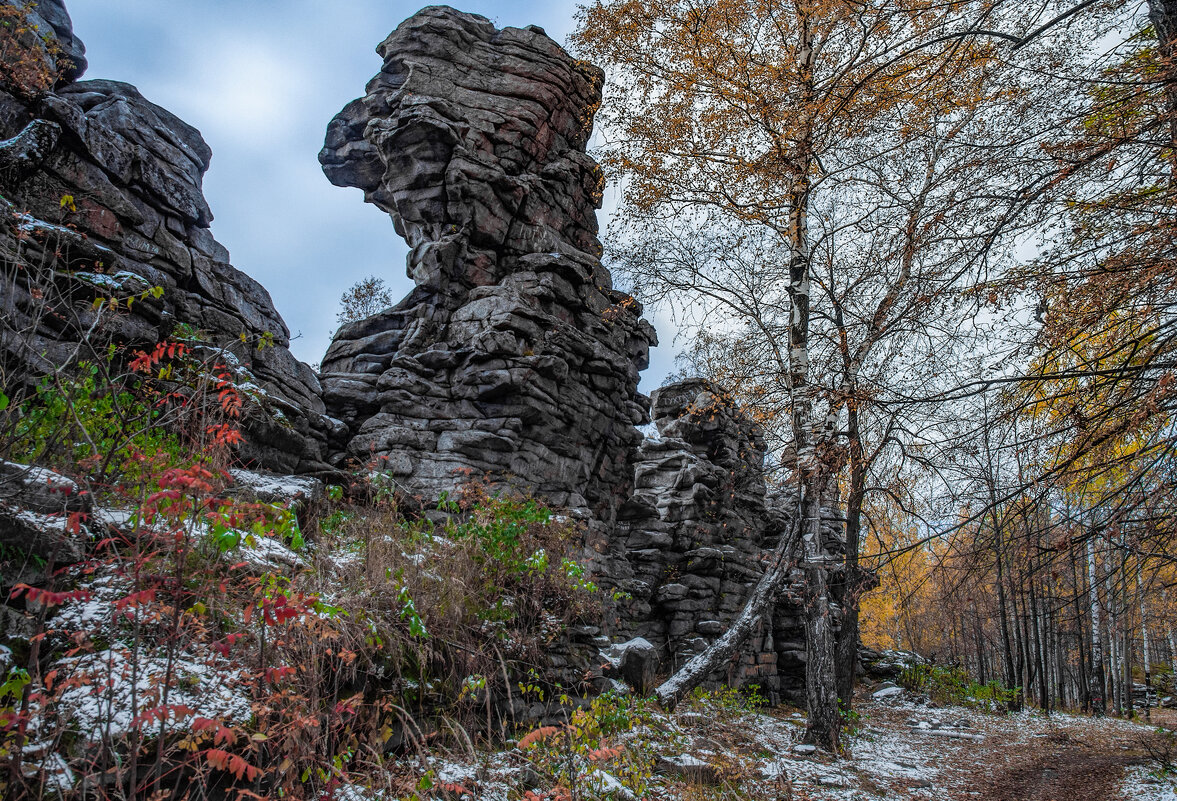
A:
(689, 542)
(514, 358)
(513, 361)
(101, 198)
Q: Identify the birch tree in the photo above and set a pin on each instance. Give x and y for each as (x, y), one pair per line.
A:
(752, 116)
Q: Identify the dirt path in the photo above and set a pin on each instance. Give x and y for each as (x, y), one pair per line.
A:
(1023, 757)
(1068, 774)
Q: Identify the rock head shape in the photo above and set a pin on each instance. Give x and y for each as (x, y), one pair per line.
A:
(514, 359)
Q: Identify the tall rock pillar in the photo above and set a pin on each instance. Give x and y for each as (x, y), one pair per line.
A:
(513, 359)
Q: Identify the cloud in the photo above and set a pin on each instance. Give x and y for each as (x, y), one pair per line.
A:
(246, 91)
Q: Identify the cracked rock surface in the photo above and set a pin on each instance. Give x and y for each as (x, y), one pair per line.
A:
(514, 358)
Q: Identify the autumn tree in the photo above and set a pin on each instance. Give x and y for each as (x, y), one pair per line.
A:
(752, 129)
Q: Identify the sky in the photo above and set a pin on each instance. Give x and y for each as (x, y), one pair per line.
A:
(261, 79)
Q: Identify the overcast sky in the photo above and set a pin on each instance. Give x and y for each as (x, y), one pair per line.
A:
(261, 79)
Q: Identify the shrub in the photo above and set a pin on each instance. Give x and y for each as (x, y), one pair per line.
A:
(725, 703)
(363, 299)
(952, 685)
(607, 736)
(31, 60)
(215, 644)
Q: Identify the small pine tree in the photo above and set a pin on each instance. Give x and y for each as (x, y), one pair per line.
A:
(363, 299)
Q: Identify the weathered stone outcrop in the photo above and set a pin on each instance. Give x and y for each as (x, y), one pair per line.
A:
(514, 359)
(514, 362)
(100, 197)
(689, 543)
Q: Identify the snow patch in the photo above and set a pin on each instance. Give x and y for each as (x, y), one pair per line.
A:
(99, 700)
(1140, 784)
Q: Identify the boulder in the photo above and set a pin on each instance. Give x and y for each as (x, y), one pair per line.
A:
(636, 661)
(42, 536)
(39, 490)
(294, 492)
(689, 768)
(43, 515)
(887, 665)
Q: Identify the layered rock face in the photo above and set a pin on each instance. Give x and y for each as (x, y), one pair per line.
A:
(102, 199)
(513, 359)
(689, 543)
(514, 362)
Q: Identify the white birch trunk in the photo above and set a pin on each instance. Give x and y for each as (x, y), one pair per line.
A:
(1169, 636)
(1098, 700)
(1144, 642)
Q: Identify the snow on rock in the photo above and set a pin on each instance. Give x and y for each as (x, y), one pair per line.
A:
(636, 660)
(888, 664)
(961, 730)
(97, 702)
(123, 521)
(39, 489)
(43, 535)
(689, 767)
(122, 281)
(887, 692)
(35, 509)
(268, 554)
(295, 491)
(616, 652)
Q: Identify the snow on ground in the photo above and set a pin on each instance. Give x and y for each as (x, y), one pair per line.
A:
(899, 751)
(93, 615)
(1141, 784)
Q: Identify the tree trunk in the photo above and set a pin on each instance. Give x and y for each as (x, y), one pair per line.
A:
(824, 722)
(1039, 657)
(1115, 669)
(1169, 637)
(1083, 688)
(1011, 679)
(851, 583)
(1020, 637)
(1144, 645)
(1127, 652)
(1163, 16)
(1096, 685)
(982, 673)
